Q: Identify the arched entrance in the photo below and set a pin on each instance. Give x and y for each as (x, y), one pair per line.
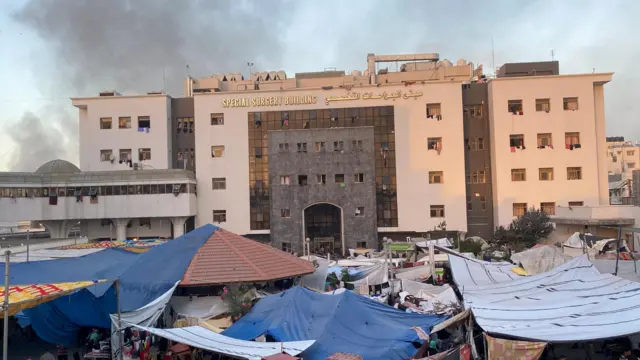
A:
(324, 229)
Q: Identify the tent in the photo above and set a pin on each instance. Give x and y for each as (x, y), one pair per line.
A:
(573, 302)
(202, 338)
(344, 322)
(472, 272)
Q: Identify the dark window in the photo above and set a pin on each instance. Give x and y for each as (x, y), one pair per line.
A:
(339, 178)
(302, 180)
(144, 122)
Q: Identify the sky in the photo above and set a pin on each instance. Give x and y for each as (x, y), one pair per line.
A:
(51, 50)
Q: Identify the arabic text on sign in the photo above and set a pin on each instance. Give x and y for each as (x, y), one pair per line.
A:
(371, 96)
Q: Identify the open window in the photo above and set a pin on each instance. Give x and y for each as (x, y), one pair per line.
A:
(219, 216)
(124, 122)
(518, 174)
(437, 211)
(515, 107)
(545, 174)
(93, 194)
(217, 151)
(435, 177)
(124, 155)
(519, 209)
(545, 141)
(285, 180)
(516, 141)
(144, 123)
(360, 211)
(144, 154)
(302, 180)
(574, 173)
(570, 103)
(356, 145)
(106, 155)
(285, 213)
(320, 146)
(358, 178)
(434, 111)
(105, 123)
(302, 147)
(548, 207)
(434, 144)
(338, 145)
(218, 119)
(572, 140)
(543, 105)
(339, 179)
(321, 179)
(283, 147)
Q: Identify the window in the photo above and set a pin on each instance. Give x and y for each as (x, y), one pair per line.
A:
(338, 145)
(105, 123)
(356, 145)
(480, 144)
(519, 209)
(434, 111)
(473, 110)
(570, 103)
(358, 178)
(476, 177)
(125, 155)
(285, 180)
(544, 140)
(185, 125)
(105, 155)
(483, 202)
(543, 105)
(435, 177)
(283, 147)
(302, 147)
(437, 211)
(321, 179)
(145, 222)
(548, 207)
(518, 174)
(218, 119)
(219, 216)
(434, 144)
(475, 144)
(285, 213)
(629, 152)
(219, 183)
(572, 140)
(144, 154)
(302, 180)
(217, 151)
(515, 107)
(360, 211)
(339, 178)
(361, 245)
(320, 146)
(124, 122)
(631, 165)
(574, 173)
(286, 247)
(576, 203)
(144, 122)
(545, 174)
(517, 141)
(469, 204)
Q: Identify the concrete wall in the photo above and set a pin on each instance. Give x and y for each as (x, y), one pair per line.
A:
(297, 198)
(93, 139)
(413, 159)
(588, 120)
(96, 229)
(181, 141)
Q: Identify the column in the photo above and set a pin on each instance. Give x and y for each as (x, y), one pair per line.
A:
(121, 228)
(178, 226)
(54, 227)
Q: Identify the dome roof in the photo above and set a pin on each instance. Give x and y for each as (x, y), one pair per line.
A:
(57, 166)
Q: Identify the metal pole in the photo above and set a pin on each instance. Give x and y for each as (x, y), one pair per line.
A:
(432, 262)
(27, 245)
(120, 335)
(5, 337)
(618, 249)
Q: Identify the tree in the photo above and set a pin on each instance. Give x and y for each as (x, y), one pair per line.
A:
(523, 232)
(468, 246)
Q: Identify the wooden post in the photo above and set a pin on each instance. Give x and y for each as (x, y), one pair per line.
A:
(432, 263)
(5, 337)
(120, 335)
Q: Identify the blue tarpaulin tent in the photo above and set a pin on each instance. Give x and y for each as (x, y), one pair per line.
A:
(143, 278)
(346, 322)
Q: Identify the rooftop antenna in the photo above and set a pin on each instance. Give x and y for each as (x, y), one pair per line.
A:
(493, 56)
(553, 55)
(164, 82)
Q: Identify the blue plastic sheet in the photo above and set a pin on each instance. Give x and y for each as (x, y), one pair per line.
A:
(345, 322)
(143, 278)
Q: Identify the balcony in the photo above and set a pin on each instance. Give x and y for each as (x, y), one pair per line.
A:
(606, 215)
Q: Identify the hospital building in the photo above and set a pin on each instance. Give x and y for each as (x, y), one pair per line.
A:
(410, 144)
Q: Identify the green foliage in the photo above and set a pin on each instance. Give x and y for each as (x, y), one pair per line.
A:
(523, 232)
(468, 246)
(238, 298)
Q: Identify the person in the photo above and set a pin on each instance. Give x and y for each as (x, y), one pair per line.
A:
(62, 353)
(93, 340)
(628, 355)
(47, 356)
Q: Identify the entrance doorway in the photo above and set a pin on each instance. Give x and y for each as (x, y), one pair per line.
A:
(323, 228)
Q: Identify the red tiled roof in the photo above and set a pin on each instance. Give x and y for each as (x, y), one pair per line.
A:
(280, 357)
(229, 258)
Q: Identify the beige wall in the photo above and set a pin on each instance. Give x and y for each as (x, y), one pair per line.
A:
(588, 121)
(415, 194)
(625, 154)
(93, 139)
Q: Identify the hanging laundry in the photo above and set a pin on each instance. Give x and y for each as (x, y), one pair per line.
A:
(513, 149)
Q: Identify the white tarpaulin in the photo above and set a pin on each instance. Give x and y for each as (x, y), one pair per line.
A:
(51, 254)
(147, 315)
(201, 308)
(373, 275)
(201, 338)
(439, 242)
(444, 295)
(573, 302)
(319, 277)
(422, 272)
(472, 272)
(540, 259)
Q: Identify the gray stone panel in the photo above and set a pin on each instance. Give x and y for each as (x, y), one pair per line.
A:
(297, 198)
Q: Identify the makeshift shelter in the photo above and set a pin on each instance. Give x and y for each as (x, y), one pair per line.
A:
(540, 259)
(571, 303)
(205, 339)
(467, 271)
(229, 258)
(345, 322)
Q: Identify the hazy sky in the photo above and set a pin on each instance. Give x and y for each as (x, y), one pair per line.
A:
(51, 50)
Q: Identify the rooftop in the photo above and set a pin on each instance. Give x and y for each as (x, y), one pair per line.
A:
(84, 177)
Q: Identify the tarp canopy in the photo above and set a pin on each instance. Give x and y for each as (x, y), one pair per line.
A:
(201, 338)
(573, 302)
(28, 296)
(318, 279)
(51, 254)
(467, 271)
(201, 308)
(344, 322)
(440, 242)
(143, 278)
(540, 259)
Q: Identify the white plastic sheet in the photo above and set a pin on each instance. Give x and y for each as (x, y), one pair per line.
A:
(51, 254)
(439, 242)
(414, 273)
(573, 302)
(201, 338)
(374, 275)
(201, 308)
(540, 259)
(471, 272)
(317, 280)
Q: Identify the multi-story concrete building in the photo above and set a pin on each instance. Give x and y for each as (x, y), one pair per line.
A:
(347, 159)
(623, 157)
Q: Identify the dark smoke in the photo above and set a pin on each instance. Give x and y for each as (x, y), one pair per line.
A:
(138, 46)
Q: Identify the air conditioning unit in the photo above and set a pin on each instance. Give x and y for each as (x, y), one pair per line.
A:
(137, 166)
